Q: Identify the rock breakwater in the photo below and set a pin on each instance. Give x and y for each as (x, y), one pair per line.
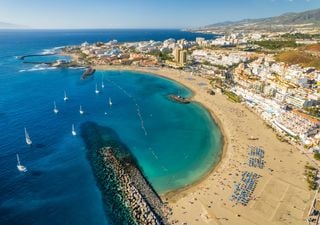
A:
(128, 197)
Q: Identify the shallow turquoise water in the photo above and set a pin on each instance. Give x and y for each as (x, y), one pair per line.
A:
(178, 144)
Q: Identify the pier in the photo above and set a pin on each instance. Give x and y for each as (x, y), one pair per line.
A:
(179, 99)
(59, 63)
(34, 55)
(88, 72)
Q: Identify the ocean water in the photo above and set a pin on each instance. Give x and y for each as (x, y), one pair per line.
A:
(174, 144)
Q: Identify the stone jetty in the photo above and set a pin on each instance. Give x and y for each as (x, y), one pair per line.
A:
(88, 72)
(180, 99)
(34, 55)
(142, 203)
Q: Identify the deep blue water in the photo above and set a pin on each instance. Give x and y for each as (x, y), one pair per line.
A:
(174, 144)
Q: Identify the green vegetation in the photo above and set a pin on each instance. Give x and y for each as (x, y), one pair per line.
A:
(162, 56)
(207, 63)
(307, 167)
(313, 111)
(99, 44)
(311, 175)
(232, 96)
(82, 55)
(281, 138)
(301, 36)
(220, 67)
(216, 82)
(276, 44)
(296, 138)
(132, 50)
(316, 156)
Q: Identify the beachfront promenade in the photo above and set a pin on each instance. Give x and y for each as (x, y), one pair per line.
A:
(281, 195)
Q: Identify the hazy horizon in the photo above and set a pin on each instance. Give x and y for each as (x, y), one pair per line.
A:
(141, 14)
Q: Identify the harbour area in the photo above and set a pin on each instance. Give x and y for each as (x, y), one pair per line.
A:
(58, 63)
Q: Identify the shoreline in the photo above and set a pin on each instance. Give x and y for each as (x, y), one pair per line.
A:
(177, 193)
(281, 195)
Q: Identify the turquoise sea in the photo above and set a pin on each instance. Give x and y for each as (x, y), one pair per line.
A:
(174, 144)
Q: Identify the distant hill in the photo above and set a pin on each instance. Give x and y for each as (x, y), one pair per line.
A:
(4, 25)
(286, 21)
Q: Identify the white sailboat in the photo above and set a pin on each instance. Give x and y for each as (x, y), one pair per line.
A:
(74, 133)
(55, 109)
(28, 139)
(110, 102)
(65, 98)
(97, 91)
(102, 83)
(20, 167)
(81, 110)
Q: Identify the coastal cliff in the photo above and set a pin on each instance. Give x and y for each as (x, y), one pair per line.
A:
(127, 195)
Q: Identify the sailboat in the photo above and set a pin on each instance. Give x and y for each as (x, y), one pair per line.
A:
(110, 102)
(65, 98)
(28, 139)
(74, 133)
(20, 167)
(102, 83)
(81, 110)
(55, 109)
(97, 91)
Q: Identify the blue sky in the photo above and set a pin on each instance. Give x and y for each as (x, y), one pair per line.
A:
(141, 13)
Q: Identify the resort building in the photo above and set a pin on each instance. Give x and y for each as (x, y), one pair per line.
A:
(180, 56)
(176, 54)
(297, 124)
(298, 101)
(183, 57)
(200, 41)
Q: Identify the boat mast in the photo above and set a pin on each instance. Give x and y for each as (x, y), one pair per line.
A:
(18, 160)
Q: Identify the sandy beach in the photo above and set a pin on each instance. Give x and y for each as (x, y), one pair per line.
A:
(281, 196)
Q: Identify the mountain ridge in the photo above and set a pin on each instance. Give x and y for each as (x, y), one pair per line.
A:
(310, 18)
